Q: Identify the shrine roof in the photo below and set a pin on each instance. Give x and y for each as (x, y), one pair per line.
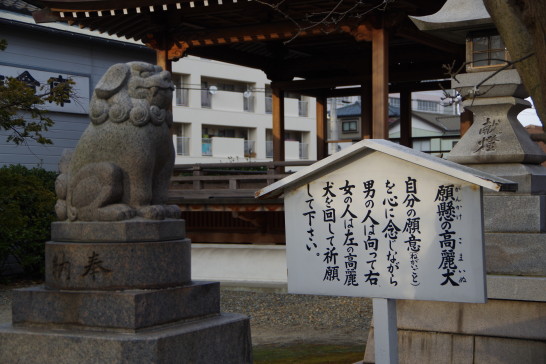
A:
(307, 39)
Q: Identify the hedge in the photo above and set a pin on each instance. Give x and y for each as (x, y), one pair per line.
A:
(27, 208)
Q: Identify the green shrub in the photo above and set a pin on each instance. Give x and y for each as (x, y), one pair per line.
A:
(27, 208)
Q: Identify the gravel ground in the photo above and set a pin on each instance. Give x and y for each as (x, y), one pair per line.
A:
(281, 318)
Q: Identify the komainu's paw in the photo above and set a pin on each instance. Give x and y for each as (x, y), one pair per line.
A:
(60, 210)
(153, 212)
(172, 211)
(116, 212)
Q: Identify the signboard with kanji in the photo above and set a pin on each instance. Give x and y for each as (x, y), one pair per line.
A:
(385, 221)
(42, 81)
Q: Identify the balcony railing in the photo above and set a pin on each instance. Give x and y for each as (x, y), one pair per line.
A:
(248, 103)
(183, 145)
(206, 99)
(181, 96)
(268, 105)
(250, 152)
(304, 151)
(206, 147)
(269, 149)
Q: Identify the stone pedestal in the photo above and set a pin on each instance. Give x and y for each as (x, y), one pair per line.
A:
(511, 326)
(121, 292)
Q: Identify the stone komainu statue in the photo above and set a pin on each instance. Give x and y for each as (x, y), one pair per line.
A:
(123, 163)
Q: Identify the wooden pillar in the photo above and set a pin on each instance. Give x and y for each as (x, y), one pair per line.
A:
(366, 119)
(162, 59)
(405, 118)
(322, 136)
(278, 124)
(380, 83)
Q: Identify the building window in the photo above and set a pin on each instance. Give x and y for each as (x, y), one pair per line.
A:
(268, 99)
(485, 51)
(349, 126)
(181, 92)
(423, 105)
(394, 101)
(206, 95)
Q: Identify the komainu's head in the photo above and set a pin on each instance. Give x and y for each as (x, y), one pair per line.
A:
(137, 92)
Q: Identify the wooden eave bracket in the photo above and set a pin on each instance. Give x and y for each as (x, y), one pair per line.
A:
(45, 15)
(177, 51)
(361, 32)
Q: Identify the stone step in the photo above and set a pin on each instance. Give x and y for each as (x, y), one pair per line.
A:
(129, 310)
(224, 338)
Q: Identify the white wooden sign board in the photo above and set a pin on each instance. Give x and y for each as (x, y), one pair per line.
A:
(379, 226)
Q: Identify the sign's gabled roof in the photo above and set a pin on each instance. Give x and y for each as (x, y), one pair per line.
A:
(440, 165)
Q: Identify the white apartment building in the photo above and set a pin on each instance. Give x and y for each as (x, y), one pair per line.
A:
(222, 113)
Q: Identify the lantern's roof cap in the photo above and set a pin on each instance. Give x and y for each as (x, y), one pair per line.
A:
(364, 147)
(455, 19)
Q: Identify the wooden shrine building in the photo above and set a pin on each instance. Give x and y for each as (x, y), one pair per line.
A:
(319, 48)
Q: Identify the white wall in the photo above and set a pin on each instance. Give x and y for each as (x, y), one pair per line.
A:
(58, 49)
(227, 108)
(228, 147)
(239, 263)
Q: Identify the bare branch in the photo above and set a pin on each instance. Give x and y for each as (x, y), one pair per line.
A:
(327, 18)
(475, 91)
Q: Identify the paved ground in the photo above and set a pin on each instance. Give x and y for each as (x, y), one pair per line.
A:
(281, 318)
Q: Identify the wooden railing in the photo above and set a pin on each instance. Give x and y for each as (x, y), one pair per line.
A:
(226, 180)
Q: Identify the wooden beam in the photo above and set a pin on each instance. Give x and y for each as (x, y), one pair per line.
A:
(315, 83)
(393, 89)
(380, 83)
(405, 118)
(414, 34)
(322, 137)
(264, 32)
(278, 124)
(230, 56)
(420, 86)
(162, 60)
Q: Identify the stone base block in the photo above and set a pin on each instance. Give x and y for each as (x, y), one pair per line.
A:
(100, 266)
(430, 347)
(516, 213)
(516, 288)
(515, 254)
(221, 339)
(129, 310)
(498, 318)
(531, 178)
(134, 230)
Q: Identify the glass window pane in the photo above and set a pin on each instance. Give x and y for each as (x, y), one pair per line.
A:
(496, 42)
(497, 57)
(480, 44)
(480, 59)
